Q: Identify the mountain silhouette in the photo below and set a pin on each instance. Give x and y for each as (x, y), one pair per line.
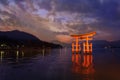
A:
(115, 44)
(18, 35)
(19, 38)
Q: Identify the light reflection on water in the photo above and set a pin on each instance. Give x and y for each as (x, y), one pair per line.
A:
(59, 64)
(83, 65)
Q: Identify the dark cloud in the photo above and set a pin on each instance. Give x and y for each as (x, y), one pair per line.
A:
(109, 11)
(46, 4)
(20, 4)
(4, 2)
(106, 10)
(74, 5)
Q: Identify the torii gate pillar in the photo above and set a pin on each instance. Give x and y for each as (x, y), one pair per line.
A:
(75, 45)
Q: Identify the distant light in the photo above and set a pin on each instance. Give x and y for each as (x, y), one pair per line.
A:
(2, 45)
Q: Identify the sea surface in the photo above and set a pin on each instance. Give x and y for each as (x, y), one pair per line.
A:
(60, 64)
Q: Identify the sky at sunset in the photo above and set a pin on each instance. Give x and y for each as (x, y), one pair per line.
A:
(56, 20)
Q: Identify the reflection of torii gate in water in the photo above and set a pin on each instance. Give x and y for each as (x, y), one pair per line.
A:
(87, 47)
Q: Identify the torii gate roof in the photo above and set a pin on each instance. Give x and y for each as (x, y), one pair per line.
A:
(84, 35)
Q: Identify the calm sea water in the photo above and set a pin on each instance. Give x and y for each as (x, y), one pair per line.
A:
(60, 64)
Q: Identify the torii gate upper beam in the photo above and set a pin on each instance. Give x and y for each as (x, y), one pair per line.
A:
(84, 35)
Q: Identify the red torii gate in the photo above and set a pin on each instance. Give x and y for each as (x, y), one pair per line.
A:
(87, 47)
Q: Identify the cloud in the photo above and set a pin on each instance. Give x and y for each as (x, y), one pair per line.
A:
(26, 22)
(67, 17)
(64, 38)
